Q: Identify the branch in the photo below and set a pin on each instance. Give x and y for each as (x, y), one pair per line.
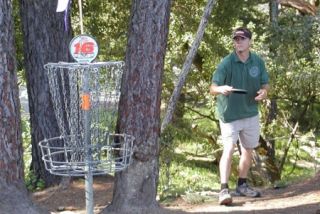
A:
(292, 136)
(302, 6)
(203, 115)
(187, 65)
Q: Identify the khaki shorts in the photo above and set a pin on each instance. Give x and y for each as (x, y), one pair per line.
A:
(247, 130)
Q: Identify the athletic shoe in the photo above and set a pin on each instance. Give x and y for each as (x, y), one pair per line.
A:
(245, 190)
(225, 197)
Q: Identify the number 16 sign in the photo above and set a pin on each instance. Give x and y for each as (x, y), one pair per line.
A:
(83, 48)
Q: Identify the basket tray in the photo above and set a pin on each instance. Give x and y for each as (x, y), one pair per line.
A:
(66, 156)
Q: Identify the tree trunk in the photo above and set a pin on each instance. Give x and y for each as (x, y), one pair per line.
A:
(274, 12)
(272, 173)
(136, 187)
(45, 40)
(13, 196)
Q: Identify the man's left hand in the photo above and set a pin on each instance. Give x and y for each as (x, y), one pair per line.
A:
(262, 94)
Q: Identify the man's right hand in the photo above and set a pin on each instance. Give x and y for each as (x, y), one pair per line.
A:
(223, 89)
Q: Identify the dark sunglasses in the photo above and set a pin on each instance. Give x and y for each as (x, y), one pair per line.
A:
(239, 38)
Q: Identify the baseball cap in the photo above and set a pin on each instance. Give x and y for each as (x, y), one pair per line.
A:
(242, 32)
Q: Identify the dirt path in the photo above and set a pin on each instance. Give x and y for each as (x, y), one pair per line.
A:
(303, 197)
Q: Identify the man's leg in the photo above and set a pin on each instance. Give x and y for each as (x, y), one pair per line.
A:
(225, 168)
(225, 163)
(249, 137)
(245, 162)
(229, 135)
(244, 165)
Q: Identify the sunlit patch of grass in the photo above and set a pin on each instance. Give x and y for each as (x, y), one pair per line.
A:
(193, 198)
(190, 170)
(293, 173)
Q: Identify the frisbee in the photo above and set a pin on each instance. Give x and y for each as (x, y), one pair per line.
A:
(239, 91)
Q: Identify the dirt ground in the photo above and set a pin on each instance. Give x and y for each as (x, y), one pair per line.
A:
(302, 197)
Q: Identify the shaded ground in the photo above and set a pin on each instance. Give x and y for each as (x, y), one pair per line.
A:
(72, 199)
(303, 197)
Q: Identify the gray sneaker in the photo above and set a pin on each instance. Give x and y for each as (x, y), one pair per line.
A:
(225, 197)
(245, 190)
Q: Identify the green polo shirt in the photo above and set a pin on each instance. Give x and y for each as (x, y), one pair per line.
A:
(250, 75)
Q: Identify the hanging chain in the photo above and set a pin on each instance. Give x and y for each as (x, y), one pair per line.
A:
(81, 18)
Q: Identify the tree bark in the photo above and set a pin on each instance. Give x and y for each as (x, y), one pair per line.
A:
(136, 187)
(187, 65)
(13, 196)
(45, 40)
(270, 171)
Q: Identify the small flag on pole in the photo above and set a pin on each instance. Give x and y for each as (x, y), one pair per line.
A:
(62, 5)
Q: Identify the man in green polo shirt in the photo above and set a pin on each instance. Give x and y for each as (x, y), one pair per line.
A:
(240, 82)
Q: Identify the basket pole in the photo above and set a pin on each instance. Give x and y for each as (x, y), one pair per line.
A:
(85, 105)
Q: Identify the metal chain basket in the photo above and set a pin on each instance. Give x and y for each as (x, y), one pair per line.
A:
(85, 99)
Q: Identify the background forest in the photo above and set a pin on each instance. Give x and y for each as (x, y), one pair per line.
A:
(285, 35)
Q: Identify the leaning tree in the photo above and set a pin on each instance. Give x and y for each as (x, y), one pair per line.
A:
(46, 36)
(136, 188)
(13, 193)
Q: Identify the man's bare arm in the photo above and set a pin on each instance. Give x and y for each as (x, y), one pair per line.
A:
(223, 89)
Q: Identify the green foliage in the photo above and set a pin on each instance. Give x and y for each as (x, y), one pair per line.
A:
(33, 183)
(109, 27)
(26, 139)
(294, 69)
(18, 43)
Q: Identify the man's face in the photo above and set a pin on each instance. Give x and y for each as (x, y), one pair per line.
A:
(241, 43)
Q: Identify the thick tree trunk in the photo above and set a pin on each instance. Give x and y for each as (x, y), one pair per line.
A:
(13, 194)
(45, 40)
(136, 187)
(270, 171)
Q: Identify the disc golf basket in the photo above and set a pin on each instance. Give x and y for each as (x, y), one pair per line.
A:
(85, 99)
